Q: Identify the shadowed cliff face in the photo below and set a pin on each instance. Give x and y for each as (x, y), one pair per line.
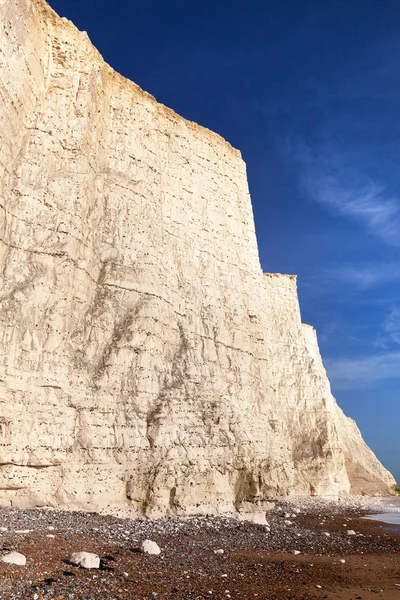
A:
(145, 359)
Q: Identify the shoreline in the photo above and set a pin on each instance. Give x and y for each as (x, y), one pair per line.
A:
(303, 553)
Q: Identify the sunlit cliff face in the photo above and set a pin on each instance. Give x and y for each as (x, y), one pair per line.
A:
(146, 359)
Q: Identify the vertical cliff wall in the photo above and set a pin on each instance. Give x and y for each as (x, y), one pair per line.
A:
(145, 359)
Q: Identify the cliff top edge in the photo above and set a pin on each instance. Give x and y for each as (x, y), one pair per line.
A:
(51, 15)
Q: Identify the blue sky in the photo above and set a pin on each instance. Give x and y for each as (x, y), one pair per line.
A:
(310, 93)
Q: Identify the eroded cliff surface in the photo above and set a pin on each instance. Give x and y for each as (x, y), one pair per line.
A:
(145, 359)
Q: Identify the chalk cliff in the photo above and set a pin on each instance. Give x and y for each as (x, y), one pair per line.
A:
(145, 359)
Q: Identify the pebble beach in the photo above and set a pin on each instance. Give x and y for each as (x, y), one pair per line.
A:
(305, 549)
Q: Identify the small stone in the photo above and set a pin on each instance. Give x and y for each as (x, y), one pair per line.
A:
(50, 528)
(219, 551)
(351, 532)
(50, 535)
(296, 552)
(23, 531)
(14, 558)
(3, 529)
(224, 575)
(150, 547)
(327, 534)
(342, 560)
(287, 522)
(87, 560)
(319, 587)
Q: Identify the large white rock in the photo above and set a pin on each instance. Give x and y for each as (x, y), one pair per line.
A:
(87, 560)
(14, 558)
(145, 359)
(150, 547)
(258, 518)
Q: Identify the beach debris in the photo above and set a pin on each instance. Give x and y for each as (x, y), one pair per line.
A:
(87, 560)
(150, 547)
(14, 558)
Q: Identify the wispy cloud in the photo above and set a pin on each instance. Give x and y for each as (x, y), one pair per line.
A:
(392, 325)
(365, 276)
(389, 334)
(361, 372)
(331, 181)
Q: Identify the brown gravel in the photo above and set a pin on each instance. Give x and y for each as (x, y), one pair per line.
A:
(255, 565)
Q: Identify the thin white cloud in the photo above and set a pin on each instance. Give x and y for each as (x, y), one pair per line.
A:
(330, 181)
(390, 330)
(365, 276)
(361, 372)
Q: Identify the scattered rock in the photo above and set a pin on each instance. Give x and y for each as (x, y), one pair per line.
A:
(14, 558)
(219, 551)
(150, 547)
(351, 532)
(296, 552)
(87, 560)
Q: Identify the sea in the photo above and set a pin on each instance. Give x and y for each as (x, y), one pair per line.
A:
(390, 511)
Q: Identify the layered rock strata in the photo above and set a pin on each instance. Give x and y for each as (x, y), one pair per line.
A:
(145, 359)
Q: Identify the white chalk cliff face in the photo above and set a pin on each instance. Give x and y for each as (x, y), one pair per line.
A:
(145, 359)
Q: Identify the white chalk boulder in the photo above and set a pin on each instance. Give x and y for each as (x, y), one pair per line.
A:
(87, 560)
(150, 547)
(14, 558)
